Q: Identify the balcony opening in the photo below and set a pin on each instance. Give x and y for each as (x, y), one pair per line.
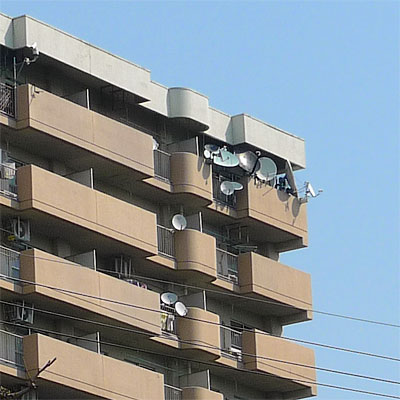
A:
(172, 392)
(162, 165)
(165, 240)
(7, 100)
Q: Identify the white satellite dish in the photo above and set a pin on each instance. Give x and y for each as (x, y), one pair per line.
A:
(237, 185)
(179, 222)
(226, 159)
(181, 309)
(290, 177)
(267, 169)
(207, 154)
(249, 161)
(227, 188)
(155, 144)
(310, 190)
(169, 298)
(212, 148)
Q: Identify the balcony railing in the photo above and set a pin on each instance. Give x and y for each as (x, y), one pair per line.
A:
(11, 348)
(9, 262)
(231, 342)
(165, 239)
(162, 165)
(220, 197)
(7, 100)
(172, 392)
(8, 180)
(227, 265)
(168, 320)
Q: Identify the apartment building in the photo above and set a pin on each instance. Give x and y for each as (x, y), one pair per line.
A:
(96, 161)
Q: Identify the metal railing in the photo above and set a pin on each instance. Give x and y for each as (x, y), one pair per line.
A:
(11, 348)
(227, 265)
(9, 262)
(8, 180)
(162, 165)
(165, 240)
(7, 99)
(168, 319)
(230, 338)
(220, 197)
(172, 392)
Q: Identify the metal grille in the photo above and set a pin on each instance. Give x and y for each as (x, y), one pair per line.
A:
(8, 180)
(7, 100)
(9, 262)
(172, 392)
(227, 265)
(230, 338)
(165, 239)
(162, 165)
(221, 197)
(11, 348)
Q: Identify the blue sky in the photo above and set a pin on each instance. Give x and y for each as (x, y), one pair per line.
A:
(326, 71)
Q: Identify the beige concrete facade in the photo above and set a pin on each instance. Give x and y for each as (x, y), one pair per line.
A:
(93, 186)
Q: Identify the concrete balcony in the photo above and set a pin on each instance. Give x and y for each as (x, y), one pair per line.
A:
(75, 134)
(294, 381)
(200, 393)
(200, 340)
(195, 254)
(47, 270)
(263, 278)
(191, 176)
(101, 218)
(107, 378)
(273, 214)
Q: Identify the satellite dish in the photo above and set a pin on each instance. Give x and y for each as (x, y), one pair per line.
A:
(226, 159)
(290, 177)
(249, 161)
(212, 148)
(310, 190)
(179, 222)
(155, 144)
(181, 309)
(169, 298)
(237, 185)
(267, 169)
(227, 188)
(207, 154)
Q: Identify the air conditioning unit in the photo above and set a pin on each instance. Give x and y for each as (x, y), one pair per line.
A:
(19, 312)
(234, 278)
(20, 230)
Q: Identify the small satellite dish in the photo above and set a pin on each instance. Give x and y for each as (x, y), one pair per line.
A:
(226, 159)
(290, 177)
(227, 188)
(181, 309)
(249, 161)
(169, 298)
(310, 190)
(155, 144)
(179, 222)
(237, 185)
(267, 169)
(212, 148)
(207, 154)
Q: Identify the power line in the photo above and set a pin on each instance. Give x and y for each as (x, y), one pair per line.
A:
(204, 362)
(207, 346)
(195, 319)
(239, 296)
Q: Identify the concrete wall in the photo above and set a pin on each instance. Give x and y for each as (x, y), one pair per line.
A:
(106, 377)
(48, 270)
(41, 190)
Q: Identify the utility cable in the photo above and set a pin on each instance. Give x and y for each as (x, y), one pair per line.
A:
(195, 319)
(47, 331)
(206, 346)
(234, 295)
